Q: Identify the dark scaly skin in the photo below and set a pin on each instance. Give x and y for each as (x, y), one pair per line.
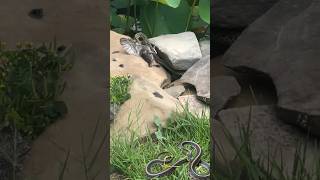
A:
(196, 161)
(164, 172)
(193, 163)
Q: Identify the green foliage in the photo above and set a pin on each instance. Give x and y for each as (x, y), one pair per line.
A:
(171, 3)
(157, 17)
(119, 89)
(30, 81)
(204, 10)
(130, 155)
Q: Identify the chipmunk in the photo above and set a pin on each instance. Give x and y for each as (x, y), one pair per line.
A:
(140, 46)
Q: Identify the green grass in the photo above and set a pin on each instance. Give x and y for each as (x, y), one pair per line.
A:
(30, 83)
(119, 89)
(245, 167)
(129, 156)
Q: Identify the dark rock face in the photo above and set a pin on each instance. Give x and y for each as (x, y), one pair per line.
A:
(269, 134)
(238, 13)
(284, 44)
(223, 38)
(224, 88)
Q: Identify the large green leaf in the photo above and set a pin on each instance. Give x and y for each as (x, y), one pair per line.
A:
(197, 22)
(157, 19)
(121, 3)
(177, 19)
(152, 21)
(171, 3)
(204, 10)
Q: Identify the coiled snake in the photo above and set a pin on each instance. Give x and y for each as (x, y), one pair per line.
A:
(194, 162)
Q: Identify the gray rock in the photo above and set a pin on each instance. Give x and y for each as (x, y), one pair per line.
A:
(239, 13)
(270, 136)
(182, 50)
(199, 76)
(175, 91)
(205, 47)
(284, 45)
(224, 88)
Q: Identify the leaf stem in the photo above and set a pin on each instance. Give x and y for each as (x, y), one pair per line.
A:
(190, 14)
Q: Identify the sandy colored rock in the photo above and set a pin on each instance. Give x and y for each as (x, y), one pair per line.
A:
(175, 91)
(123, 64)
(138, 113)
(194, 104)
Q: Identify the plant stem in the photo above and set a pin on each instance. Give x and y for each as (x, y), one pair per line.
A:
(190, 14)
(128, 15)
(135, 16)
(155, 19)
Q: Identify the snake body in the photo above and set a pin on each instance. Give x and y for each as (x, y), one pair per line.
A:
(196, 161)
(164, 172)
(193, 163)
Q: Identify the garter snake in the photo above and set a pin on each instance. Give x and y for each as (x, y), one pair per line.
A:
(193, 162)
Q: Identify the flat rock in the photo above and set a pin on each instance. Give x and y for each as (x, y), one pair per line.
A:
(194, 104)
(224, 88)
(199, 76)
(284, 45)
(269, 134)
(175, 91)
(239, 13)
(123, 64)
(138, 113)
(182, 50)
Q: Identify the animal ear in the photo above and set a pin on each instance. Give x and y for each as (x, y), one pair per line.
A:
(125, 40)
(141, 37)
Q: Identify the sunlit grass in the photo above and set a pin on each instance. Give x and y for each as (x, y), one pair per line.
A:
(129, 156)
